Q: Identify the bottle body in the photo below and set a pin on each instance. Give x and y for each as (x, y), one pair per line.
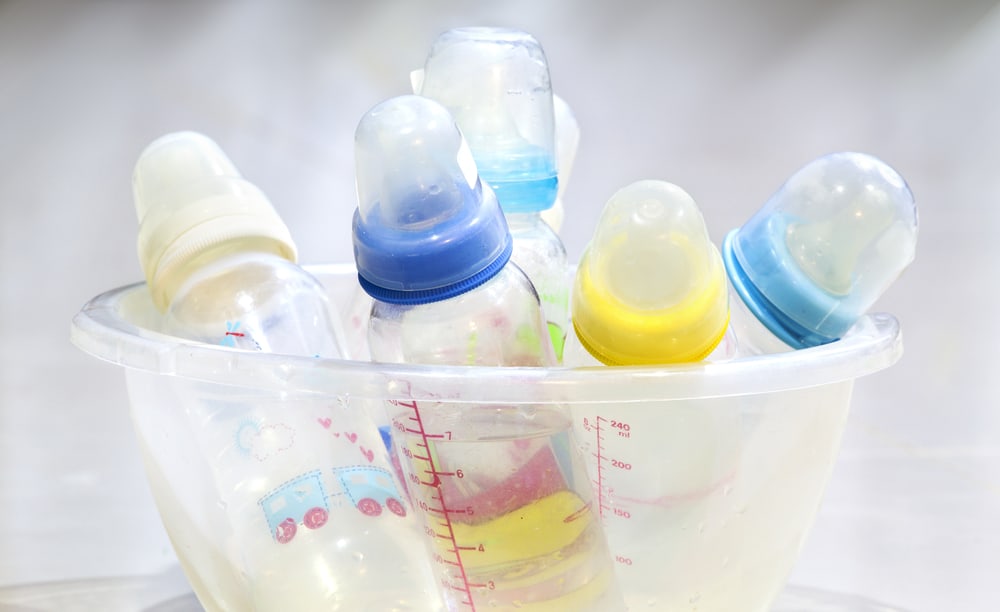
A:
(526, 532)
(729, 347)
(697, 449)
(255, 301)
(540, 254)
(296, 474)
(575, 355)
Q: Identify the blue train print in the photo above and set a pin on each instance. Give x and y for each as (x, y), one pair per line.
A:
(369, 489)
(303, 500)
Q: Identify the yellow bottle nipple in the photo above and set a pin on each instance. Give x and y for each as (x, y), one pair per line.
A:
(651, 287)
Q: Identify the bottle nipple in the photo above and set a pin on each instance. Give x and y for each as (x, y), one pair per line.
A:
(824, 247)
(426, 228)
(189, 198)
(650, 288)
(495, 82)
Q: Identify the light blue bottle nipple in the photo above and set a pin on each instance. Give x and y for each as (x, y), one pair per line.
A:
(823, 248)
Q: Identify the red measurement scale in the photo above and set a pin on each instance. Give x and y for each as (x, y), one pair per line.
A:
(427, 481)
(608, 440)
(649, 463)
(607, 464)
(498, 511)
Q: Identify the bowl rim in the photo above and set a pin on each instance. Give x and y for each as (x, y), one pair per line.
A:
(102, 330)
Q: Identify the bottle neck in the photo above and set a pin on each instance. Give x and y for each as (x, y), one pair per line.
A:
(499, 323)
(530, 225)
(168, 285)
(523, 220)
(752, 336)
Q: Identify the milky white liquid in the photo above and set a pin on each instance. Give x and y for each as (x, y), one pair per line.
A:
(706, 503)
(309, 573)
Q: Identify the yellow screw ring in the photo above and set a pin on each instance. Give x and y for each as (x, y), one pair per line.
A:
(617, 334)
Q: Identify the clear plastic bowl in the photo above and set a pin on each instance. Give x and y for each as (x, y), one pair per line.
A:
(736, 455)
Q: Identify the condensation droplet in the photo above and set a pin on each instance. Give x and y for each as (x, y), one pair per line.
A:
(344, 401)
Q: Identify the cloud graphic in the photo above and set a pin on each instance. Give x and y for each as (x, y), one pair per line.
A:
(271, 440)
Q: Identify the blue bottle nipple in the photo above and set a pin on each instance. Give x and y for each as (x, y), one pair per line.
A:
(426, 227)
(823, 248)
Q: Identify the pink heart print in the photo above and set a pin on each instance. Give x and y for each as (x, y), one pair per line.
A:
(369, 455)
(353, 437)
(325, 422)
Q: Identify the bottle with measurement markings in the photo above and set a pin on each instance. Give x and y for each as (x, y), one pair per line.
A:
(495, 82)
(650, 289)
(819, 253)
(305, 488)
(506, 502)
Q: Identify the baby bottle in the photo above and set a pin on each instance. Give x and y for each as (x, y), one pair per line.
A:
(651, 289)
(496, 84)
(819, 253)
(302, 483)
(502, 489)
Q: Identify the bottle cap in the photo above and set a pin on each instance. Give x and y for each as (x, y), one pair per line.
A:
(650, 287)
(190, 198)
(495, 82)
(426, 227)
(824, 247)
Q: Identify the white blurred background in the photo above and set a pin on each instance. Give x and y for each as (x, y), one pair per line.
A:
(726, 99)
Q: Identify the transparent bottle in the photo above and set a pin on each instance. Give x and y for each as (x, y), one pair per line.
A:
(495, 82)
(650, 288)
(221, 265)
(433, 249)
(819, 253)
